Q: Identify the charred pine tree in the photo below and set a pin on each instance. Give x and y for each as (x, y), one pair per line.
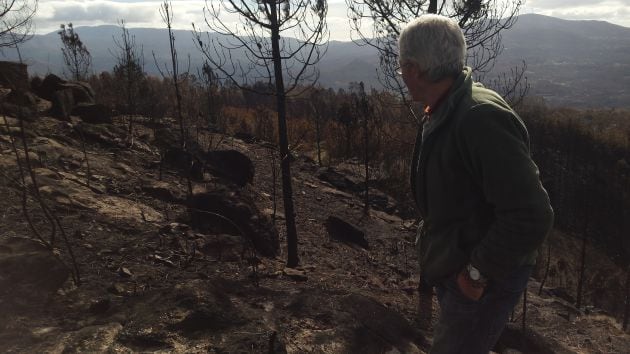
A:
(347, 117)
(166, 11)
(378, 23)
(364, 111)
(585, 198)
(317, 107)
(280, 39)
(547, 267)
(211, 90)
(580, 285)
(524, 323)
(626, 312)
(76, 56)
(129, 70)
(626, 250)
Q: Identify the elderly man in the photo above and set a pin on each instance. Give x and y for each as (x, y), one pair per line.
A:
(485, 212)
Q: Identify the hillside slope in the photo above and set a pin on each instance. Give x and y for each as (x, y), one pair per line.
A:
(152, 282)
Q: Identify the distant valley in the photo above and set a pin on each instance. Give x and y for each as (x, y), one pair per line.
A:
(569, 63)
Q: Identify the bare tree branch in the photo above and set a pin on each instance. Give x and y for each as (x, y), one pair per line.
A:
(378, 23)
(16, 19)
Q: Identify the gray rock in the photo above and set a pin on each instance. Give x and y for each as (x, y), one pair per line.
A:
(29, 273)
(24, 104)
(66, 95)
(100, 306)
(62, 104)
(344, 231)
(338, 180)
(222, 247)
(231, 165)
(91, 339)
(295, 274)
(184, 161)
(93, 113)
(14, 75)
(163, 191)
(232, 212)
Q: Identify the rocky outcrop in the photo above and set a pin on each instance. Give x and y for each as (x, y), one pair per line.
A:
(66, 96)
(14, 75)
(344, 231)
(232, 212)
(231, 165)
(82, 92)
(23, 104)
(184, 161)
(93, 113)
(349, 184)
(62, 104)
(338, 180)
(106, 135)
(163, 191)
(29, 273)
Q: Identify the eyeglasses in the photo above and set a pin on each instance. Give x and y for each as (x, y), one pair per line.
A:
(419, 72)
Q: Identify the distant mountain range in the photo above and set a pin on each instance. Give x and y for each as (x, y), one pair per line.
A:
(569, 63)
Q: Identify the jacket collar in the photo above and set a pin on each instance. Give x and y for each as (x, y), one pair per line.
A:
(461, 86)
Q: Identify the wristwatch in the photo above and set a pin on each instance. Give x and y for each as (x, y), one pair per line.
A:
(474, 274)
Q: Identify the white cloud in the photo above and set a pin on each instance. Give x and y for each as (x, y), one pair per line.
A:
(136, 13)
(616, 11)
(564, 4)
(52, 13)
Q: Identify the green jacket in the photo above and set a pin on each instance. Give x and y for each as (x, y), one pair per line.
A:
(476, 187)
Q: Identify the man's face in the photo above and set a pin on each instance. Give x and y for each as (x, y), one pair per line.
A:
(412, 77)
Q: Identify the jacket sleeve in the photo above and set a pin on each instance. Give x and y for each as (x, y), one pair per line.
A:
(495, 147)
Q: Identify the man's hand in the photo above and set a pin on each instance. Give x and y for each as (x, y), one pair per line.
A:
(470, 288)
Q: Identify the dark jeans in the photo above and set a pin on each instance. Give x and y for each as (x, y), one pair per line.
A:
(473, 327)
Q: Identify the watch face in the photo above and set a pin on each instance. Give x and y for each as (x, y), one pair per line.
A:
(474, 273)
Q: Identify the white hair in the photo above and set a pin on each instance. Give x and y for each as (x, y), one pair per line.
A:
(436, 44)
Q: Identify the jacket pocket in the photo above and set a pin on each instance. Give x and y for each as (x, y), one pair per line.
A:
(440, 252)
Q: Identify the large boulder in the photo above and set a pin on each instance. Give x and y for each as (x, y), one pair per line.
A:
(62, 104)
(346, 232)
(163, 191)
(106, 135)
(81, 91)
(383, 202)
(93, 113)
(224, 211)
(48, 86)
(22, 104)
(184, 161)
(29, 273)
(64, 95)
(167, 138)
(231, 165)
(14, 75)
(338, 180)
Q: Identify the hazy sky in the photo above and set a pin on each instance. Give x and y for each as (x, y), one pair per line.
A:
(145, 13)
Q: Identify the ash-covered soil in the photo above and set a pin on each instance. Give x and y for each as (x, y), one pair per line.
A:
(153, 281)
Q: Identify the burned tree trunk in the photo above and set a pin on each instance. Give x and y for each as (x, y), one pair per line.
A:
(547, 267)
(626, 314)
